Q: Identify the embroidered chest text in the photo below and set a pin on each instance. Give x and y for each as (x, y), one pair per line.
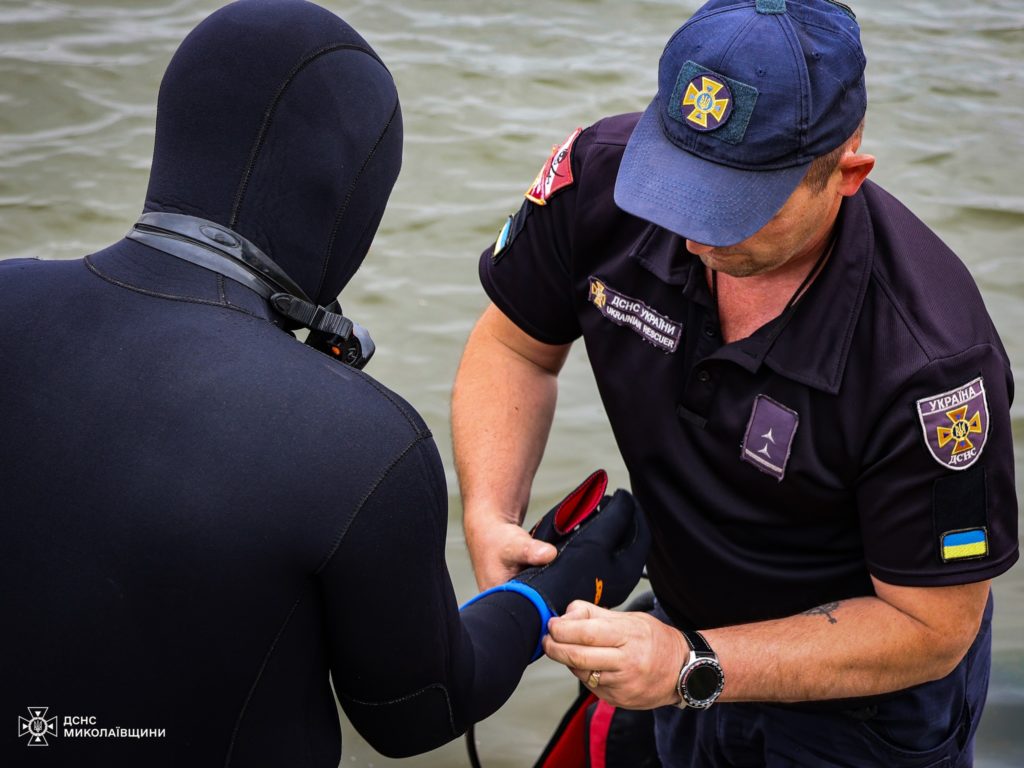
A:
(652, 326)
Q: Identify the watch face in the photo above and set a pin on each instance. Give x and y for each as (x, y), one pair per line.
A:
(702, 682)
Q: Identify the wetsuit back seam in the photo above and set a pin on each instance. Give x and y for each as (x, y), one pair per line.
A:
(259, 676)
(170, 296)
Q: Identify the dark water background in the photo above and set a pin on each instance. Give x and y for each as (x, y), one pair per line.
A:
(487, 88)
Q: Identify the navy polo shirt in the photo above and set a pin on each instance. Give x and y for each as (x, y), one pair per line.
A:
(864, 432)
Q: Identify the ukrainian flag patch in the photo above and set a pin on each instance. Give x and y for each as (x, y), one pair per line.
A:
(964, 545)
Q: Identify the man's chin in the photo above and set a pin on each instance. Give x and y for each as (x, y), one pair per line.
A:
(732, 264)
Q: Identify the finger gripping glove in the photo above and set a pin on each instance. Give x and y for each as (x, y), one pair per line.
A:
(602, 544)
(599, 560)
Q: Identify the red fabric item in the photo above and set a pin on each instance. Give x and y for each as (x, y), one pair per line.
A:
(600, 724)
(568, 747)
(581, 503)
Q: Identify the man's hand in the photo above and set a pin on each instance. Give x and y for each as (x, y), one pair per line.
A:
(500, 550)
(637, 655)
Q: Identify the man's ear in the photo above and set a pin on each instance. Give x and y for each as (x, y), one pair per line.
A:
(854, 169)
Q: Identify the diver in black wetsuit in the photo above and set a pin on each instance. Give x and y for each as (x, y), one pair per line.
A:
(201, 517)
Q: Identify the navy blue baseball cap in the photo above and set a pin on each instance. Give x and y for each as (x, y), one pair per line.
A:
(749, 93)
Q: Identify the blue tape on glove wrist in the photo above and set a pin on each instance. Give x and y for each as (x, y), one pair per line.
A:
(530, 594)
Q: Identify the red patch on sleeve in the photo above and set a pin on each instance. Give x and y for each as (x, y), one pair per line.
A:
(556, 173)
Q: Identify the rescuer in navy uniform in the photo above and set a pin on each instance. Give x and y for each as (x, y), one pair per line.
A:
(806, 388)
(202, 518)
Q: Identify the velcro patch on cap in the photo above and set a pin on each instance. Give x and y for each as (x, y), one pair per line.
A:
(770, 6)
(556, 174)
(712, 103)
(955, 424)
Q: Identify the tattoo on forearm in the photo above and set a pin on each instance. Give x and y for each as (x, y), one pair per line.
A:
(824, 610)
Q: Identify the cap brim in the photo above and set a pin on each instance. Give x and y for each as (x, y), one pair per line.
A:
(702, 201)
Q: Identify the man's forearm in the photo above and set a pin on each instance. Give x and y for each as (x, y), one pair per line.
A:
(849, 648)
(501, 415)
(503, 403)
(502, 407)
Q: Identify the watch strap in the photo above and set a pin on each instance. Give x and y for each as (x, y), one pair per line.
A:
(701, 655)
(698, 644)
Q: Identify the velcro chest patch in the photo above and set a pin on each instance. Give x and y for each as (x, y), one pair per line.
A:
(653, 327)
(768, 440)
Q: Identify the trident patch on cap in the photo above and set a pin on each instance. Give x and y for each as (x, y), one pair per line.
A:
(707, 103)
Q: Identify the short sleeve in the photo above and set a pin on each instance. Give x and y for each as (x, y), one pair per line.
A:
(936, 499)
(527, 271)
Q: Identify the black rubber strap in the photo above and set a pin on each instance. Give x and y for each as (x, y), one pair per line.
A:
(225, 252)
(311, 316)
(201, 256)
(217, 238)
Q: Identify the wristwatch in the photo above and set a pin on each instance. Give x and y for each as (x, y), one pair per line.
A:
(701, 679)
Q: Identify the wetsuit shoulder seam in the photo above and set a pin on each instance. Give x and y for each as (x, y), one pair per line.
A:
(340, 536)
(418, 427)
(335, 545)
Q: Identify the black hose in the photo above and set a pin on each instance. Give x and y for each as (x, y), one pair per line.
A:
(474, 758)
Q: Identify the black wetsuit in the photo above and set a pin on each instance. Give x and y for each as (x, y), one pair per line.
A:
(200, 517)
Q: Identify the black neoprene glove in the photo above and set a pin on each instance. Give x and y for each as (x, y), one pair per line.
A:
(602, 545)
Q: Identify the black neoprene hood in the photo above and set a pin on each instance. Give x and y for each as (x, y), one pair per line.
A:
(277, 120)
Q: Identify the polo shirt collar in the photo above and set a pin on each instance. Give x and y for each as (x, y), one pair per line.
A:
(663, 254)
(798, 349)
(814, 346)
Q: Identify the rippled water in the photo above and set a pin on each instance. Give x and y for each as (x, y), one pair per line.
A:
(486, 90)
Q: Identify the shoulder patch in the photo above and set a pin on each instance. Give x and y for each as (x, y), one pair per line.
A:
(955, 424)
(509, 231)
(960, 512)
(556, 174)
(967, 544)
